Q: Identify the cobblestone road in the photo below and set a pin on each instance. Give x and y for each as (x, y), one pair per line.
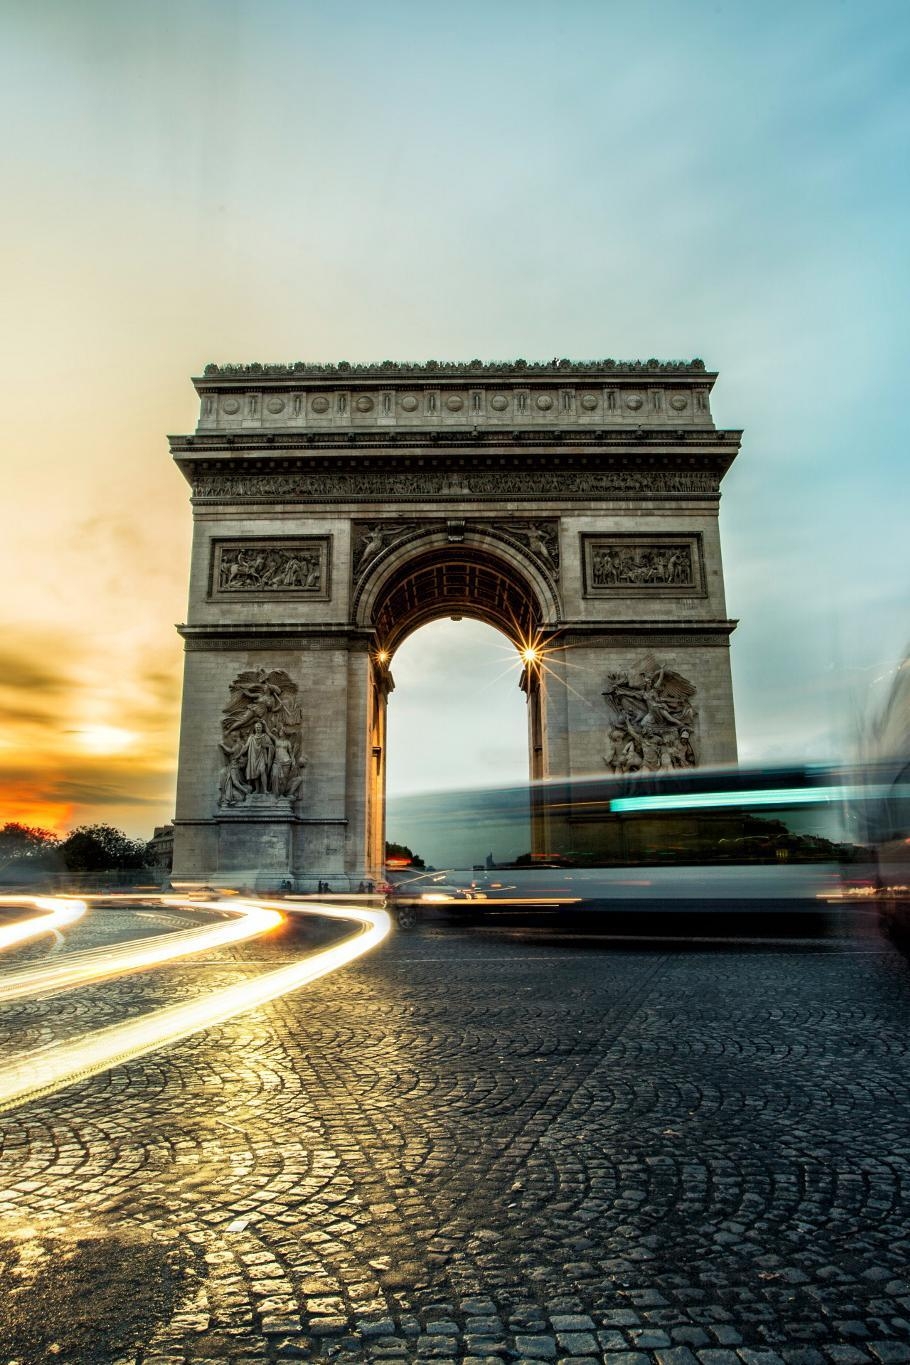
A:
(477, 1146)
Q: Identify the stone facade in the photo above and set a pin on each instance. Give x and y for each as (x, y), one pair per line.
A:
(337, 508)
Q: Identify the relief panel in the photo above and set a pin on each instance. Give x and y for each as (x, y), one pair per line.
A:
(271, 567)
(652, 721)
(648, 565)
(261, 742)
(425, 484)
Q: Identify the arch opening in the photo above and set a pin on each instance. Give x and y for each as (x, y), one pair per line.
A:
(457, 717)
(446, 579)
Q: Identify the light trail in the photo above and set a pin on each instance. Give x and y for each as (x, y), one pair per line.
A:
(48, 1069)
(57, 912)
(95, 964)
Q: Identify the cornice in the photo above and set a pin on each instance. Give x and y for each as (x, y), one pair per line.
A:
(390, 371)
(579, 632)
(449, 475)
(691, 633)
(432, 441)
(275, 635)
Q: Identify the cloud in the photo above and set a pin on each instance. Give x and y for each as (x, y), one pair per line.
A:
(37, 664)
(21, 714)
(100, 794)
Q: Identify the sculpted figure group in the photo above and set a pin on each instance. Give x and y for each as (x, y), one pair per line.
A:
(270, 569)
(261, 740)
(640, 565)
(540, 538)
(373, 539)
(653, 722)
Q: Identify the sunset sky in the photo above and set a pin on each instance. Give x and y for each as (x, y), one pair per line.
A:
(229, 181)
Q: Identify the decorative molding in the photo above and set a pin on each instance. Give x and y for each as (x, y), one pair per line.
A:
(432, 443)
(656, 635)
(648, 565)
(225, 644)
(259, 567)
(366, 485)
(383, 369)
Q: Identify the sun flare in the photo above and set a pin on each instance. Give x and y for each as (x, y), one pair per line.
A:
(104, 739)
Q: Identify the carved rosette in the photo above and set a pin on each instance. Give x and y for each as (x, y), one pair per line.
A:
(263, 761)
(652, 721)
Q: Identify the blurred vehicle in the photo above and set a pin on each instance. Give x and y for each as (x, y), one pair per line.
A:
(410, 899)
(760, 839)
(886, 808)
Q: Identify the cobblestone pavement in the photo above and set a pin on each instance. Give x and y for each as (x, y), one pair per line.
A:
(477, 1146)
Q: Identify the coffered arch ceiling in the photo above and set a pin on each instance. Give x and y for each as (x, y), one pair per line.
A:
(455, 580)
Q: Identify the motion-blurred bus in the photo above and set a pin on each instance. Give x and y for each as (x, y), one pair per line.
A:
(886, 808)
(765, 840)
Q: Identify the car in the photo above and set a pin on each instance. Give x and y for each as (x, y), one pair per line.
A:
(409, 901)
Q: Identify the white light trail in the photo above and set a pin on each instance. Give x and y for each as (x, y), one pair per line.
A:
(57, 911)
(777, 796)
(48, 1069)
(95, 964)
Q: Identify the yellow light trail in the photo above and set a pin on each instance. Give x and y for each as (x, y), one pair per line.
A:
(95, 964)
(57, 912)
(48, 1069)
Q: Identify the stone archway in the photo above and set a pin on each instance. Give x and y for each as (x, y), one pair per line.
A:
(422, 573)
(338, 508)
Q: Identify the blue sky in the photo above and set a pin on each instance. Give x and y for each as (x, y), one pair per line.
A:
(226, 181)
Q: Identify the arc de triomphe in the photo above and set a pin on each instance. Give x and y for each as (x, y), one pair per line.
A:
(339, 507)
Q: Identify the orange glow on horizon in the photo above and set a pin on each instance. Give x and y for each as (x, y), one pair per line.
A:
(21, 806)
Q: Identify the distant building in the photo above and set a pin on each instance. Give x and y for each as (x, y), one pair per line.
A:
(160, 849)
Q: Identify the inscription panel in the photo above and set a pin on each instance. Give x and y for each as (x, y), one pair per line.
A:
(271, 568)
(643, 566)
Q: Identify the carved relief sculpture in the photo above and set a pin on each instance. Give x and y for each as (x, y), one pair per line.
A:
(653, 721)
(260, 568)
(369, 485)
(539, 538)
(261, 741)
(372, 538)
(612, 565)
(633, 566)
